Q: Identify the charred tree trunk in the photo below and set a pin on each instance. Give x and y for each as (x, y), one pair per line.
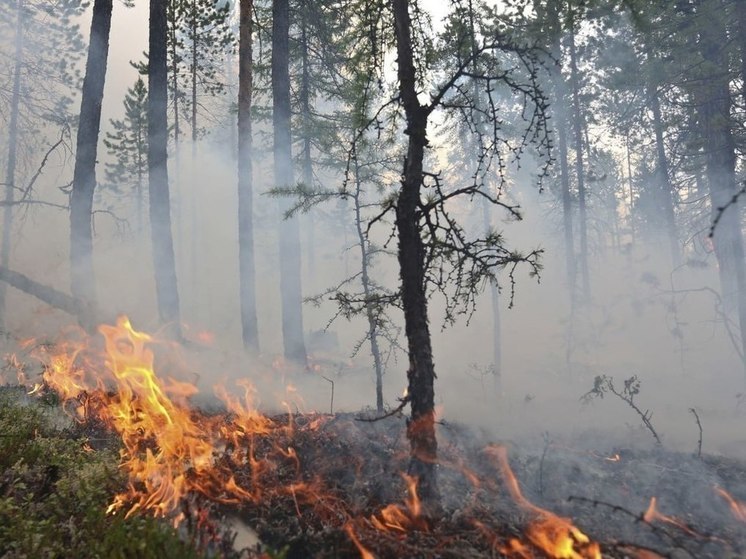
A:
(411, 254)
(247, 272)
(664, 183)
(579, 168)
(172, 26)
(714, 104)
(164, 264)
(305, 102)
(193, 72)
(10, 174)
(83, 283)
(741, 18)
(290, 263)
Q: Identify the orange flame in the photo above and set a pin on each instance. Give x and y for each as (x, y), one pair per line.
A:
(403, 519)
(557, 537)
(169, 449)
(737, 508)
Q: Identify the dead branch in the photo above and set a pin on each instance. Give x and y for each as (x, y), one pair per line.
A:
(699, 425)
(402, 403)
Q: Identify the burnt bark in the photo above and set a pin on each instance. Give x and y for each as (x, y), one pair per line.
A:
(665, 188)
(579, 168)
(714, 102)
(83, 284)
(411, 256)
(10, 173)
(305, 107)
(164, 264)
(247, 271)
(290, 259)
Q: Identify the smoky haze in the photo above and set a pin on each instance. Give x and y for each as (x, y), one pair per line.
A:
(644, 317)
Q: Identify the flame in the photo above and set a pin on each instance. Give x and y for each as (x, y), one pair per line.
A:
(170, 450)
(652, 514)
(737, 507)
(402, 519)
(557, 537)
(364, 553)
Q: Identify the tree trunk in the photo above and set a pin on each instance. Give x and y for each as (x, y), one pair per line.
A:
(160, 210)
(247, 272)
(44, 293)
(741, 18)
(10, 174)
(368, 289)
(494, 291)
(579, 169)
(305, 101)
(290, 263)
(193, 220)
(172, 27)
(714, 105)
(411, 254)
(665, 188)
(83, 284)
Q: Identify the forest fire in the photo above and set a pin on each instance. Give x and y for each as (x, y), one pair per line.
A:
(172, 450)
(180, 460)
(555, 536)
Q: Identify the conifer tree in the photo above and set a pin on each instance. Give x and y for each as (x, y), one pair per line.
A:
(128, 145)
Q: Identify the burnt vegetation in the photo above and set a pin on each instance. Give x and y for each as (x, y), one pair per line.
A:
(440, 221)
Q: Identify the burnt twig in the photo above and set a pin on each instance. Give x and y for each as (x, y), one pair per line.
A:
(699, 426)
(331, 402)
(402, 403)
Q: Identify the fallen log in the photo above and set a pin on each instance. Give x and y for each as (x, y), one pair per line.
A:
(49, 295)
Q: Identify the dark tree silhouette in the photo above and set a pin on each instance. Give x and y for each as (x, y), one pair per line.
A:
(83, 284)
(160, 208)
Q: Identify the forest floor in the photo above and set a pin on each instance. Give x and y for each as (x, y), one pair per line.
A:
(334, 488)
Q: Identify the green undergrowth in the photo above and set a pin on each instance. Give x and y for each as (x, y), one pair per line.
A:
(54, 492)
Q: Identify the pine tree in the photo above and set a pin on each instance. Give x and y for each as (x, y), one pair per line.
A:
(128, 145)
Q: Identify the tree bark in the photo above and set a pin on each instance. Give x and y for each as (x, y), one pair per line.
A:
(411, 255)
(46, 294)
(665, 188)
(10, 174)
(579, 169)
(305, 102)
(83, 285)
(290, 259)
(247, 272)
(164, 264)
(714, 101)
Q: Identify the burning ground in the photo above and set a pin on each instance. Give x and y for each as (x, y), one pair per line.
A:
(319, 485)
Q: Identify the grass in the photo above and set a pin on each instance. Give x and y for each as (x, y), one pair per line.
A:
(54, 493)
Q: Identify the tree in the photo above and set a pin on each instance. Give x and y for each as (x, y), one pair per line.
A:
(434, 251)
(290, 259)
(247, 272)
(83, 284)
(199, 36)
(164, 264)
(712, 95)
(10, 174)
(128, 144)
(46, 47)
